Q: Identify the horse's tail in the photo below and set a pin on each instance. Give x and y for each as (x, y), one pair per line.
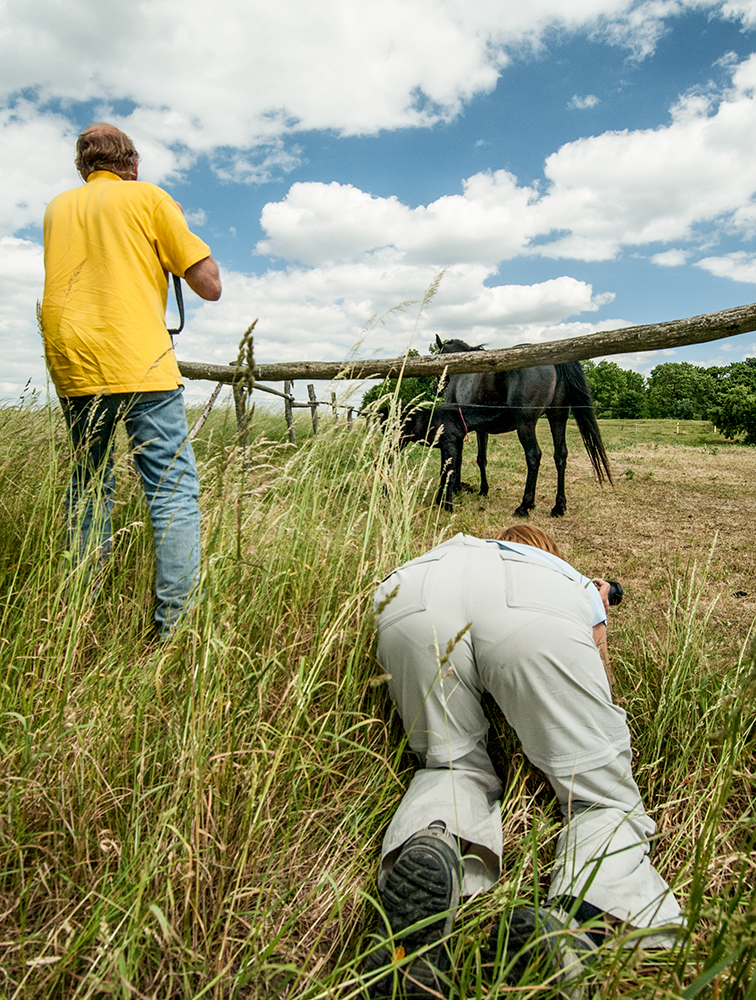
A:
(580, 400)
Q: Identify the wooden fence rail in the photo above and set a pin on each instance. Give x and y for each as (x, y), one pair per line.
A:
(678, 333)
(656, 336)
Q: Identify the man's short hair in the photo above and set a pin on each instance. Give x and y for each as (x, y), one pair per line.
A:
(104, 147)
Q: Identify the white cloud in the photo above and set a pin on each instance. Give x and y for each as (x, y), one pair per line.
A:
(323, 310)
(21, 278)
(327, 311)
(655, 185)
(738, 266)
(670, 258)
(605, 192)
(740, 10)
(581, 103)
(255, 72)
(318, 223)
(196, 217)
(36, 161)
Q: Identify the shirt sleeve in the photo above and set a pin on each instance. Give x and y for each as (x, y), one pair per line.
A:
(177, 246)
(597, 605)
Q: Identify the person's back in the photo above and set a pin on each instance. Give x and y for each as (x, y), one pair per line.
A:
(108, 246)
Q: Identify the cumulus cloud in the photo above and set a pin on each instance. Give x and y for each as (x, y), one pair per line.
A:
(36, 161)
(631, 188)
(328, 311)
(605, 192)
(670, 258)
(317, 223)
(255, 73)
(330, 308)
(738, 266)
(21, 278)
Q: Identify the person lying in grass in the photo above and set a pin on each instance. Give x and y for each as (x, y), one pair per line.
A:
(510, 617)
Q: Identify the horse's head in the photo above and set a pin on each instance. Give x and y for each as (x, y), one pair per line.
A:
(454, 346)
(415, 423)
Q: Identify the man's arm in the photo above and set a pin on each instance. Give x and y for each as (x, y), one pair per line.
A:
(204, 279)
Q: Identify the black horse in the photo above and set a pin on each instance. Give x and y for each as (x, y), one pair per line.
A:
(498, 402)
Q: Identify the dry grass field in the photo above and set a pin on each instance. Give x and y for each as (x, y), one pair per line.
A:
(680, 501)
(204, 820)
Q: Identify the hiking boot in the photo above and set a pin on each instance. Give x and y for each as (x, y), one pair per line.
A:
(425, 880)
(542, 945)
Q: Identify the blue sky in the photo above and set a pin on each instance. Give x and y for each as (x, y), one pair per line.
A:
(574, 167)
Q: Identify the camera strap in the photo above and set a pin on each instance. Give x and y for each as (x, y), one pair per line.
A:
(179, 303)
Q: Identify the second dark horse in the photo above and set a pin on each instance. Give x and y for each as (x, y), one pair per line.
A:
(498, 402)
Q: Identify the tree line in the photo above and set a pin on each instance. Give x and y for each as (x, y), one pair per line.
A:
(679, 390)
(676, 390)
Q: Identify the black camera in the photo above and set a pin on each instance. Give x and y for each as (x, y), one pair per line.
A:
(615, 592)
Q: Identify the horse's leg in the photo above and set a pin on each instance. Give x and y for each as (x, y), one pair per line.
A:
(482, 461)
(527, 435)
(558, 424)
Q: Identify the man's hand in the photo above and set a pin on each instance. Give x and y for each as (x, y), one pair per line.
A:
(204, 279)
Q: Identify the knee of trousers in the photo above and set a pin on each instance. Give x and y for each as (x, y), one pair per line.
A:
(608, 785)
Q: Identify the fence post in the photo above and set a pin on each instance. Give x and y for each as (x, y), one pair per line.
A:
(313, 407)
(206, 412)
(289, 390)
(240, 407)
(350, 414)
(333, 406)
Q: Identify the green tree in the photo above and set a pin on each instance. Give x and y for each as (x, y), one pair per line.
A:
(411, 389)
(618, 393)
(682, 391)
(734, 413)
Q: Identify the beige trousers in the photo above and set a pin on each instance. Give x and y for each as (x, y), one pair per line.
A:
(466, 618)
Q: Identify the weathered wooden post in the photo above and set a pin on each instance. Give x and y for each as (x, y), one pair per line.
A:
(313, 407)
(333, 406)
(240, 407)
(289, 392)
(350, 415)
(243, 383)
(206, 412)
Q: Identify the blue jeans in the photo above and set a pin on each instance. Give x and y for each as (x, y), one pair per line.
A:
(159, 434)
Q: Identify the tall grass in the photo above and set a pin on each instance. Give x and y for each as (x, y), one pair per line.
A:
(203, 819)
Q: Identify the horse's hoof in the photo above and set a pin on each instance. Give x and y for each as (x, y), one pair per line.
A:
(558, 510)
(522, 512)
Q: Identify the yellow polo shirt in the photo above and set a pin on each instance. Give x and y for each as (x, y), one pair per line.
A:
(108, 247)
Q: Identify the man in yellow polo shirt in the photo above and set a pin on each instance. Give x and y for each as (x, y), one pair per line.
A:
(109, 246)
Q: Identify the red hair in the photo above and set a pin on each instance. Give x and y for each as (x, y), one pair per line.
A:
(528, 534)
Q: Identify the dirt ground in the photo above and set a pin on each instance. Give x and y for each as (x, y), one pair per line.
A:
(683, 501)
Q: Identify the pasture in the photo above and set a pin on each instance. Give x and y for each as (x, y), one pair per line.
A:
(204, 819)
